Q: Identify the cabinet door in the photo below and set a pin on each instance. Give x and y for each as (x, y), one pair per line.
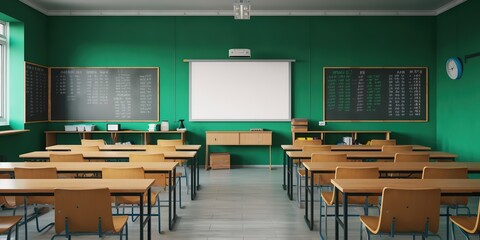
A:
(256, 138)
(226, 138)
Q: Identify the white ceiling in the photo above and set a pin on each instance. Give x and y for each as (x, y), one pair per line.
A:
(259, 7)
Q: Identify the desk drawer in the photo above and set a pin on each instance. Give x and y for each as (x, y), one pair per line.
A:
(227, 138)
(256, 138)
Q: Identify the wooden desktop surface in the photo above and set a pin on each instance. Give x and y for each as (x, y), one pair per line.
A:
(123, 147)
(473, 167)
(369, 154)
(109, 154)
(452, 186)
(354, 147)
(29, 186)
(90, 166)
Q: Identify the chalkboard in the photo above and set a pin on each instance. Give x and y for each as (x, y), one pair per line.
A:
(36, 93)
(375, 94)
(104, 94)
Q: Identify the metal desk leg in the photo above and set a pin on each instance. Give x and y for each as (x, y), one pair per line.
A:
(345, 216)
(141, 216)
(336, 213)
(284, 169)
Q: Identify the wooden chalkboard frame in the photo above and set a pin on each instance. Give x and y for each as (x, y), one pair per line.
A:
(26, 97)
(376, 120)
(108, 120)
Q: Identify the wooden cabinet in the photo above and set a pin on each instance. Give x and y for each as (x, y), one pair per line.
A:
(246, 138)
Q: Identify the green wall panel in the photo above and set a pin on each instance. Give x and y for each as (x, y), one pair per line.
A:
(457, 100)
(28, 42)
(314, 42)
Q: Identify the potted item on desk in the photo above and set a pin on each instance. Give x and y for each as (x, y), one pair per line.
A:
(181, 127)
(164, 126)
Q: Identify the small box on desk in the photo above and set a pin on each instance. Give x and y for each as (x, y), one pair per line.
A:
(220, 160)
(299, 122)
(296, 128)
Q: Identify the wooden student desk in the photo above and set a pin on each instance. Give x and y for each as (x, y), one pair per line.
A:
(362, 187)
(352, 155)
(46, 187)
(312, 168)
(96, 167)
(122, 147)
(189, 155)
(287, 148)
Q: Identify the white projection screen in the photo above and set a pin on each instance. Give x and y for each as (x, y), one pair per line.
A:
(242, 90)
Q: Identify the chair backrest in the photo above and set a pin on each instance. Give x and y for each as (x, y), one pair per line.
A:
(92, 142)
(169, 142)
(123, 173)
(324, 178)
(357, 173)
(160, 148)
(84, 208)
(147, 157)
(329, 157)
(81, 148)
(447, 173)
(409, 210)
(381, 142)
(442, 173)
(36, 173)
(74, 157)
(397, 148)
(412, 157)
(300, 143)
(316, 148)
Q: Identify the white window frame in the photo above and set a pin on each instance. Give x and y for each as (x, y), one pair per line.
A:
(4, 76)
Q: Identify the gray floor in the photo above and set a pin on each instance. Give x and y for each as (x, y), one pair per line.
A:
(239, 204)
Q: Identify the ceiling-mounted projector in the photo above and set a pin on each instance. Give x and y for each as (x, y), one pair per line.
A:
(239, 52)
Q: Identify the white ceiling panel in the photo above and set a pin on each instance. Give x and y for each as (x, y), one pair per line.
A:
(259, 7)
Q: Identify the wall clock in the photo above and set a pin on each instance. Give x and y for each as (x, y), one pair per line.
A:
(454, 68)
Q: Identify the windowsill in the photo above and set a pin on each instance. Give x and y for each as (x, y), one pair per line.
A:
(11, 132)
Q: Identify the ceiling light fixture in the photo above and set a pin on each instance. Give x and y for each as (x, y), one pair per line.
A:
(241, 9)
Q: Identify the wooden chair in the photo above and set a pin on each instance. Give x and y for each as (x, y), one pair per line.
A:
(161, 180)
(82, 148)
(449, 173)
(7, 223)
(169, 142)
(381, 142)
(328, 197)
(301, 143)
(35, 173)
(320, 180)
(397, 148)
(91, 148)
(405, 211)
(468, 225)
(74, 157)
(166, 145)
(92, 142)
(121, 201)
(409, 157)
(83, 211)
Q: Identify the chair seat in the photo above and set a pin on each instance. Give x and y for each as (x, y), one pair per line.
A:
(136, 200)
(328, 199)
(119, 222)
(370, 222)
(467, 223)
(7, 222)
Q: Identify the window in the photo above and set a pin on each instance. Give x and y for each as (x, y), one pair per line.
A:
(3, 73)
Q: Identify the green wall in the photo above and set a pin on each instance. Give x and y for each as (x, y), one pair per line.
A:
(314, 42)
(457, 100)
(28, 42)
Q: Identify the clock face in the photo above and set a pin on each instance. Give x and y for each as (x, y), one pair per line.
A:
(454, 68)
